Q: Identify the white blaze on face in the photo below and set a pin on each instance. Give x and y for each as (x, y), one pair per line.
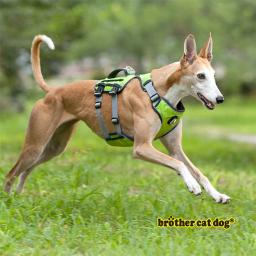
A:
(205, 84)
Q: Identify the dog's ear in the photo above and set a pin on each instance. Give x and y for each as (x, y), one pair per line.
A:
(189, 50)
(206, 51)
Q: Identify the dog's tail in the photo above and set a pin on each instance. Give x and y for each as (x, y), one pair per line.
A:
(35, 59)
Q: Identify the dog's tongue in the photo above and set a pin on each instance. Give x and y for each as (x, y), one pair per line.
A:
(210, 105)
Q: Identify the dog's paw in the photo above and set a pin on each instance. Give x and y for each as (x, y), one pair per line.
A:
(190, 182)
(194, 187)
(222, 199)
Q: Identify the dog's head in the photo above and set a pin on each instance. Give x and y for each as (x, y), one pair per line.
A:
(197, 73)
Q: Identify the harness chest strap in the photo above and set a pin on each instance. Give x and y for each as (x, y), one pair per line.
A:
(152, 93)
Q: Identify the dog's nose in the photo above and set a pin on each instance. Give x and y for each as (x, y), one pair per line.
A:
(220, 99)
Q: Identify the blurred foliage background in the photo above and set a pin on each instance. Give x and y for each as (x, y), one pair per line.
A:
(94, 37)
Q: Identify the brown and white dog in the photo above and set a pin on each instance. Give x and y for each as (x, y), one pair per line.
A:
(53, 118)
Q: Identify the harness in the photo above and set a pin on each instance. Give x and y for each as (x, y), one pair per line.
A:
(113, 86)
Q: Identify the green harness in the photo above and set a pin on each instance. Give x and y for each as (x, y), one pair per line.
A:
(113, 85)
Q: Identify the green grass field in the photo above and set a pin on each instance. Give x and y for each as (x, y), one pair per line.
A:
(98, 200)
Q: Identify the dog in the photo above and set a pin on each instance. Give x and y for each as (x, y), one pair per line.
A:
(54, 117)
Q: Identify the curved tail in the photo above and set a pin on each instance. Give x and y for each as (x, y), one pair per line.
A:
(35, 59)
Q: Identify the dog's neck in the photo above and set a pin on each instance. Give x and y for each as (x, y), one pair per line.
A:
(167, 83)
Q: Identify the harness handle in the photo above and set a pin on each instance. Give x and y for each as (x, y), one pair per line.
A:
(127, 71)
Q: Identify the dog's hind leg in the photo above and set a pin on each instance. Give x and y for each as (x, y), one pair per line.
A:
(172, 142)
(43, 122)
(54, 147)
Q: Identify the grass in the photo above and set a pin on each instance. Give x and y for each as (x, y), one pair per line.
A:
(97, 200)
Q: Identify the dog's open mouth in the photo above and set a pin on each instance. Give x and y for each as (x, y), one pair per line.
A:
(206, 102)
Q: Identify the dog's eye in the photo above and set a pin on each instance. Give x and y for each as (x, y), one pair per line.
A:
(201, 76)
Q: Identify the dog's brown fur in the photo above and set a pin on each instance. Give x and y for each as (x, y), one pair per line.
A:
(53, 118)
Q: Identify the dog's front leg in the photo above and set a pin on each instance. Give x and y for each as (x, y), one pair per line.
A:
(172, 142)
(147, 152)
(143, 149)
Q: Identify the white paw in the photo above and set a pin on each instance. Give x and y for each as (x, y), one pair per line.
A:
(194, 187)
(192, 184)
(217, 196)
(190, 181)
(222, 198)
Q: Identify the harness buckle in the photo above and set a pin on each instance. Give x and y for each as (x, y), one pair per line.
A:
(115, 120)
(99, 90)
(154, 97)
(98, 104)
(114, 89)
